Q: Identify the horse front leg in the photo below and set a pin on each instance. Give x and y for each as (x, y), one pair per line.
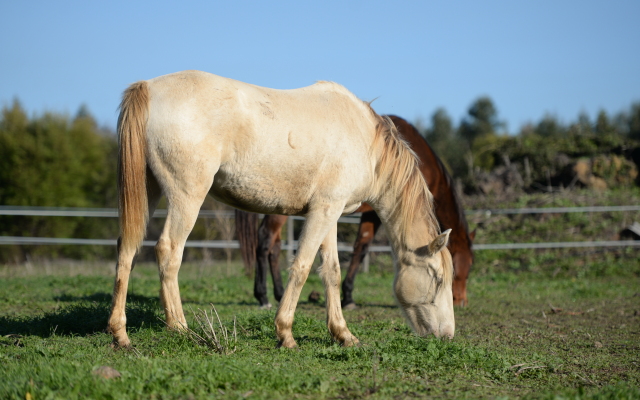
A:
(268, 249)
(262, 256)
(369, 224)
(318, 224)
(330, 274)
(274, 263)
(276, 222)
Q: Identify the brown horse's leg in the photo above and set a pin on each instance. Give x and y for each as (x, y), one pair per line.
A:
(330, 274)
(369, 224)
(262, 252)
(274, 262)
(268, 238)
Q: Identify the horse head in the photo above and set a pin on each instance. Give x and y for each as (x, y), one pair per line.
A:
(423, 288)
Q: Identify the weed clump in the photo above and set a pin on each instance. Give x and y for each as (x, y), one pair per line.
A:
(213, 336)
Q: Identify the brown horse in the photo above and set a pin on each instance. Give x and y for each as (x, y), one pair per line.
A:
(448, 209)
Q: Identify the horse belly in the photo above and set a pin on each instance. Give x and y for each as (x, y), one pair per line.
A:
(261, 194)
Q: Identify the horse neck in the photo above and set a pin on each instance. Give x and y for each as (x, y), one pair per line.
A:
(449, 212)
(403, 238)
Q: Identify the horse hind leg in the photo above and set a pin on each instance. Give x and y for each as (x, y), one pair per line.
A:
(125, 264)
(184, 200)
(117, 324)
(181, 217)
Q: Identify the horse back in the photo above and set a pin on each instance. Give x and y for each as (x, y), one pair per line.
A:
(275, 150)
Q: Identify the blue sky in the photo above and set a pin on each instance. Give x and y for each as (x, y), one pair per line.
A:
(531, 58)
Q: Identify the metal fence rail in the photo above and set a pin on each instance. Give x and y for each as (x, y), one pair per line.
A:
(93, 212)
(211, 244)
(234, 244)
(353, 218)
(552, 210)
(291, 244)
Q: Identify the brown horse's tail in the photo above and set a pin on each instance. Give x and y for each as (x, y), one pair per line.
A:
(133, 208)
(247, 233)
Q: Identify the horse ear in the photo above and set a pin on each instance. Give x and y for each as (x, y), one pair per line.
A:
(435, 246)
(439, 243)
(472, 235)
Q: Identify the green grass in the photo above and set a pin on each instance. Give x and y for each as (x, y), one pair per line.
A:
(52, 338)
(543, 324)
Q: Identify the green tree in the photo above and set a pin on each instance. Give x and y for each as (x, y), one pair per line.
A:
(482, 119)
(51, 161)
(582, 127)
(442, 138)
(549, 126)
(441, 130)
(633, 122)
(603, 124)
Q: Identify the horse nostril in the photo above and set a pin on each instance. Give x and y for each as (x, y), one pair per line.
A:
(446, 332)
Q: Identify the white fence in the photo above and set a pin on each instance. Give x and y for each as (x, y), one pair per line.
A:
(290, 244)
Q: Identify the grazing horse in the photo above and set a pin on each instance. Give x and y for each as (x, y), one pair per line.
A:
(448, 209)
(317, 151)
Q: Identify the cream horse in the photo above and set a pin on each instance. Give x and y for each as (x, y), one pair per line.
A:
(317, 151)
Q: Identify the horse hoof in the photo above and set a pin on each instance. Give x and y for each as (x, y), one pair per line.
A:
(122, 344)
(351, 342)
(265, 306)
(287, 344)
(350, 306)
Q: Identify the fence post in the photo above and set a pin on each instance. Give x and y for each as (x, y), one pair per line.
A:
(365, 262)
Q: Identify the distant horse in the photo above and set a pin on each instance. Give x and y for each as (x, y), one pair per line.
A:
(317, 151)
(448, 208)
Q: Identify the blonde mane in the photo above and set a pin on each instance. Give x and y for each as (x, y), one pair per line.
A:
(398, 172)
(447, 267)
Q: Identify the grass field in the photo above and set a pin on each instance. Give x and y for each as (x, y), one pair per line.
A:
(521, 336)
(540, 324)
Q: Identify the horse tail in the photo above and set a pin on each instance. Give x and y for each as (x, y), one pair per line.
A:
(247, 233)
(133, 208)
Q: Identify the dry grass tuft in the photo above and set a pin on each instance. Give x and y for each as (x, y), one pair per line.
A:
(213, 336)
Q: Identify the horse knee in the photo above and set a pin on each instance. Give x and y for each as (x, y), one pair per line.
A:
(263, 246)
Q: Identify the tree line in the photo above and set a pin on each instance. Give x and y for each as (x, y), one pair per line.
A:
(540, 151)
(57, 160)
